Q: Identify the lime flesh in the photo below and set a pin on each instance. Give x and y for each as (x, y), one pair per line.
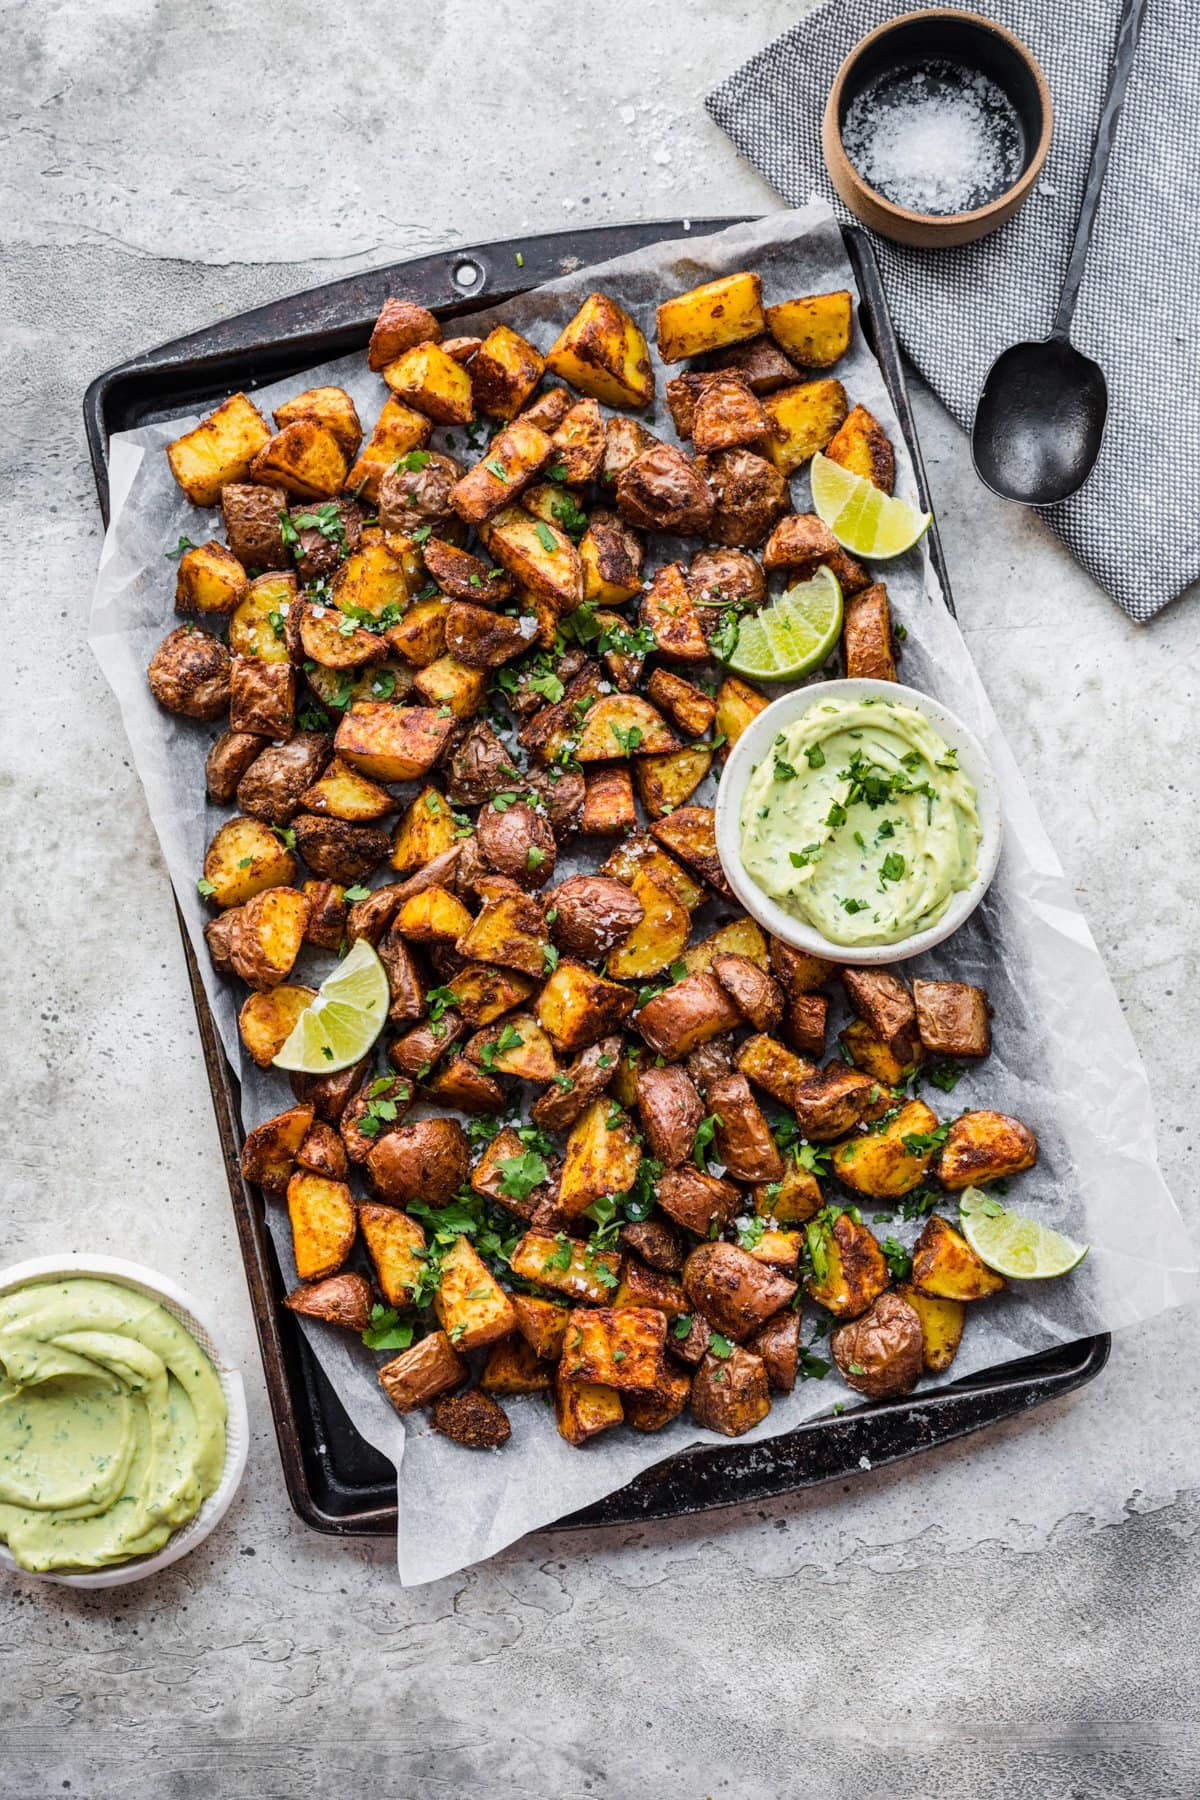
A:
(345, 1018)
(1015, 1246)
(794, 635)
(864, 520)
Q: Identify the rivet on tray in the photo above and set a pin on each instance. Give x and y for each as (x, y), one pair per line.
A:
(467, 275)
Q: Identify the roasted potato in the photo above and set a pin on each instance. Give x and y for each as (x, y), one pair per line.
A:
(657, 1244)
(744, 1142)
(813, 330)
(892, 1159)
(400, 326)
(667, 782)
(720, 579)
(433, 916)
(262, 697)
(953, 1018)
(831, 1101)
(805, 1019)
(323, 1152)
(880, 1354)
(338, 851)
(730, 1394)
(985, 1146)
(513, 1368)
(209, 579)
(324, 1224)
(689, 834)
(691, 708)
(602, 1157)
(941, 1326)
(670, 1110)
(273, 786)
(710, 1061)
(608, 806)
(328, 1094)
(886, 1004)
(603, 354)
(426, 378)
(391, 743)
(449, 684)
(330, 407)
(750, 495)
(863, 446)
(657, 940)
(539, 556)
(305, 458)
(509, 929)
(253, 516)
(623, 725)
(395, 1244)
(418, 1375)
(482, 994)
(849, 1271)
(270, 1150)
(727, 414)
(243, 858)
(231, 755)
(576, 1006)
(577, 1086)
(516, 841)
(579, 444)
(801, 542)
(760, 362)
(342, 793)
(220, 449)
(543, 1325)
(867, 636)
(268, 936)
(611, 554)
(567, 1265)
(465, 1087)
(620, 1347)
(472, 1419)
(734, 1291)
(726, 311)
(517, 1047)
(624, 441)
(471, 1306)
(757, 995)
(362, 1124)
(654, 1409)
(190, 674)
(465, 577)
(641, 852)
(592, 914)
(778, 1343)
(426, 1161)
(687, 1015)
(869, 1053)
(259, 627)
(945, 1267)
(584, 1408)
(663, 490)
(803, 420)
(798, 972)
(774, 1068)
(505, 370)
(549, 409)
(513, 458)
(343, 1300)
(398, 431)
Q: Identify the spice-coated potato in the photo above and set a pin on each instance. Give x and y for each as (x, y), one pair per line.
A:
(395, 1244)
(418, 1375)
(401, 325)
(892, 1159)
(602, 1157)
(725, 311)
(472, 1419)
(830, 1102)
(219, 450)
(815, 329)
(426, 378)
(324, 1224)
(761, 364)
(655, 1409)
(744, 1141)
(670, 1110)
(482, 993)
(730, 1394)
(398, 431)
(621, 1347)
(686, 1015)
(543, 1325)
(720, 579)
(268, 936)
(658, 940)
(427, 1161)
(231, 755)
(513, 458)
(209, 579)
(602, 352)
(667, 782)
(342, 793)
(693, 1198)
(391, 743)
(750, 494)
(945, 1267)
(516, 1046)
(270, 1150)
(880, 1354)
(849, 1270)
(340, 852)
(727, 414)
(513, 1368)
(941, 1326)
(252, 515)
(343, 1300)
(663, 490)
(733, 1291)
(691, 708)
(579, 1084)
(863, 447)
(867, 1052)
(478, 767)
(774, 1068)
(953, 1018)
(451, 686)
(793, 1199)
(756, 994)
(190, 674)
(584, 1408)
(608, 806)
(262, 697)
(362, 1124)
(577, 1006)
(274, 782)
(244, 857)
(328, 1095)
(867, 636)
(538, 555)
(690, 835)
(985, 1146)
(463, 576)
(259, 626)
(509, 929)
(305, 458)
(778, 1343)
(415, 493)
(641, 852)
(323, 1152)
(268, 1019)
(593, 915)
(658, 1244)
(805, 1020)
(505, 370)
(803, 419)
(611, 553)
(517, 841)
(331, 407)
(568, 1265)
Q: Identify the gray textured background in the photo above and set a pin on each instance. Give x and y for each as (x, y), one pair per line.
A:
(1016, 1617)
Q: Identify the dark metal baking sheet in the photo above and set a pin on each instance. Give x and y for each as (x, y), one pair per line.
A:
(336, 1481)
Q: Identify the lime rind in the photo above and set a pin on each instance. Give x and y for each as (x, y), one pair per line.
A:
(344, 1020)
(1020, 1248)
(865, 521)
(793, 635)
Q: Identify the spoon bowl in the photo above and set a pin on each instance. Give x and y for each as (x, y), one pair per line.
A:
(1040, 422)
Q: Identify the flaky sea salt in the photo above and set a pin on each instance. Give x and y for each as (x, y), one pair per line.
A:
(936, 139)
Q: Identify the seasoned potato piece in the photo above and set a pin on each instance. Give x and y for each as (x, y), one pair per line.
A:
(683, 394)
(735, 1292)
(586, 1077)
(258, 626)
(416, 1051)
(375, 577)
(398, 431)
(482, 994)
(510, 929)
(863, 447)
(483, 639)
(450, 683)
(304, 458)
(272, 786)
(941, 1326)
(420, 636)
(760, 362)
(757, 996)
(611, 554)
(471, 1306)
(262, 697)
(340, 852)
(743, 1138)
(690, 835)
(750, 494)
(801, 542)
(425, 377)
(779, 1248)
(814, 330)
(418, 1375)
(270, 1150)
(602, 1157)
(880, 1354)
(805, 1022)
(577, 1006)
(691, 708)
(726, 311)
(266, 1021)
(393, 1242)
(210, 579)
(245, 857)
(792, 1200)
(391, 743)
(608, 803)
(584, 1408)
(718, 579)
(538, 555)
(324, 1224)
(362, 1125)
(739, 937)
(603, 354)
(641, 852)
(426, 1161)
(953, 1018)
(517, 1047)
(871, 1054)
(218, 450)
(891, 1160)
(803, 420)
(670, 1110)
(663, 490)
(985, 1146)
(342, 793)
(253, 517)
(654, 1410)
(337, 1300)
(190, 674)
(867, 636)
(542, 1323)
(694, 1199)
(641, 1286)
(849, 1271)
(727, 415)
(401, 325)
(549, 409)
(505, 370)
(330, 407)
(579, 444)
(465, 577)
(623, 725)
(666, 783)
(567, 1265)
(778, 1343)
(463, 1086)
(687, 1015)
(773, 1068)
(513, 458)
(884, 1001)
(621, 1347)
(328, 1094)
(434, 916)
(323, 1152)
(592, 914)
(268, 936)
(624, 441)
(513, 1368)
(426, 829)
(945, 1267)
(491, 1175)
(658, 1244)
(831, 1101)
(657, 940)
(799, 972)
(473, 1419)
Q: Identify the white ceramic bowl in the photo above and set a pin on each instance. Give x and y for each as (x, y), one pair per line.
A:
(754, 744)
(237, 1427)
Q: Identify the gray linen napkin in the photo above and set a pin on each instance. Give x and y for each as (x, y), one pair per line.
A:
(1135, 525)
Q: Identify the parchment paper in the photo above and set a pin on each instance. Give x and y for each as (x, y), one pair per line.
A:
(1064, 1059)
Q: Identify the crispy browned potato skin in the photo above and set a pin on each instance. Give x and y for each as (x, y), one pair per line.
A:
(190, 674)
(425, 1044)
(867, 636)
(401, 325)
(589, 1075)
(774, 1068)
(251, 512)
(653, 1410)
(690, 835)
(273, 782)
(831, 1102)
(718, 579)
(871, 1054)
(953, 1018)
(270, 1150)
(797, 971)
(801, 541)
(744, 1142)
(656, 1242)
(686, 1015)
(694, 1199)
(985, 1146)
(670, 1110)
(750, 495)
(358, 1144)
(343, 1300)
(733, 1291)
(318, 555)
(778, 1343)
(761, 364)
(857, 1272)
(942, 1324)
(478, 766)
(886, 1004)
(506, 839)
(405, 983)
(420, 1374)
(756, 995)
(472, 1419)
(863, 446)
(880, 1354)
(465, 577)
(805, 1020)
(341, 852)
(730, 1394)
(878, 1163)
(710, 1061)
(262, 697)
(426, 1161)
(231, 755)
(323, 1152)
(728, 414)
(662, 490)
(410, 499)
(268, 936)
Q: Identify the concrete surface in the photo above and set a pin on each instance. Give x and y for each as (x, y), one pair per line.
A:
(1018, 1616)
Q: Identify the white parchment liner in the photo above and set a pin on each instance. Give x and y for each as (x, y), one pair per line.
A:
(1064, 1059)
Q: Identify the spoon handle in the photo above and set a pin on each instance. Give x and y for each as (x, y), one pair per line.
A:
(1132, 14)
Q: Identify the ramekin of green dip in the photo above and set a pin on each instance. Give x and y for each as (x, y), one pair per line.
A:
(86, 1343)
(858, 821)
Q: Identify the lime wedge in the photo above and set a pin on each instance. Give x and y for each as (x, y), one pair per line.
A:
(794, 634)
(1014, 1246)
(863, 519)
(345, 1018)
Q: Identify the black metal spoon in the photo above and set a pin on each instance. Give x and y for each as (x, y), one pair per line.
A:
(1040, 419)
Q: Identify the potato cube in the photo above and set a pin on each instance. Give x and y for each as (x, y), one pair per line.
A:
(433, 916)
(863, 447)
(602, 1157)
(331, 407)
(891, 1160)
(641, 852)
(669, 612)
(482, 994)
(803, 419)
(623, 725)
(391, 743)
(342, 793)
(568, 1265)
(686, 1015)
(210, 579)
(608, 803)
(513, 1368)
(738, 937)
(471, 1306)
(603, 354)
(641, 1286)
(262, 697)
(395, 1244)
(268, 935)
(337, 1300)
(420, 636)
(694, 1199)
(805, 1020)
(849, 1271)
(425, 377)
(373, 578)
(510, 929)
(774, 1068)
(270, 1150)
(953, 1018)
(539, 556)
(244, 857)
(258, 625)
(659, 937)
(726, 311)
(942, 1324)
(583, 1408)
(832, 1101)
(945, 1267)
(398, 430)
(738, 705)
(543, 1325)
(324, 1224)
(690, 834)
(267, 1020)
(513, 459)
(867, 635)
(418, 1375)
(425, 830)
(218, 450)
(792, 1200)
(813, 330)
(505, 370)
(985, 1146)
(869, 1053)
(579, 444)
(620, 1347)
(577, 1007)
(401, 325)
(304, 458)
(690, 707)
(667, 782)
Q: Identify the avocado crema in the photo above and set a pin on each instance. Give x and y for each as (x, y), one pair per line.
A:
(859, 822)
(112, 1424)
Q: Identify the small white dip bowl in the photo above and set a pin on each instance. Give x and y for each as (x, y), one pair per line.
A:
(753, 746)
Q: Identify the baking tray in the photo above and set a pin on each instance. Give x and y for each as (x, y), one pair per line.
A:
(336, 1481)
